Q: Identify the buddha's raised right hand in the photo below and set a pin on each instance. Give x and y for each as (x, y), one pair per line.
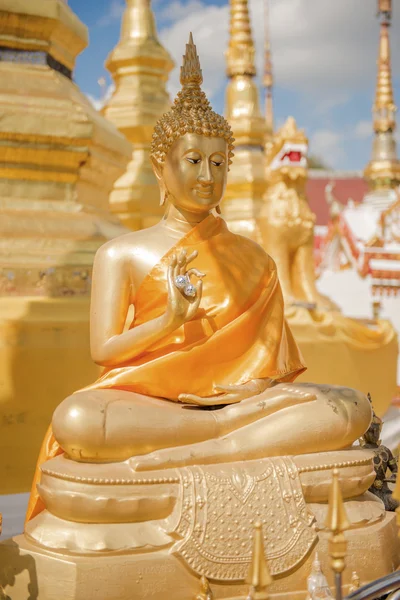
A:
(180, 307)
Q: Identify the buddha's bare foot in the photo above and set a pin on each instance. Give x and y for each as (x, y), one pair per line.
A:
(218, 450)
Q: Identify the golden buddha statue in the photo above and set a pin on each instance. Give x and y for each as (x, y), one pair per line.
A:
(195, 429)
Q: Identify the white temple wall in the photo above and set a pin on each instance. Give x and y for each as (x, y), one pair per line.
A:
(354, 296)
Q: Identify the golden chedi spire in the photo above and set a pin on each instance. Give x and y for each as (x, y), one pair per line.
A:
(139, 66)
(240, 55)
(384, 106)
(246, 183)
(268, 78)
(59, 160)
(383, 171)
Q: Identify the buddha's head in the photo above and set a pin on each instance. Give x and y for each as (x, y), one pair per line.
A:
(192, 145)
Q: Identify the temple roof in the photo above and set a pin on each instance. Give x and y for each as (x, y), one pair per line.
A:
(348, 184)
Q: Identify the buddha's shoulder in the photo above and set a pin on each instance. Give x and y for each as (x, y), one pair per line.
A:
(128, 244)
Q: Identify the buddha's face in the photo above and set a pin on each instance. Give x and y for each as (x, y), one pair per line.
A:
(195, 172)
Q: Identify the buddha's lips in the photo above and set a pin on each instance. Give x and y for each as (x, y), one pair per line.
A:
(206, 191)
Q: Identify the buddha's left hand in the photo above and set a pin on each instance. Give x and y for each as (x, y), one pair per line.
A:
(229, 394)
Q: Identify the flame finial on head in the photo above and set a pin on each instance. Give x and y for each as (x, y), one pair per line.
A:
(191, 73)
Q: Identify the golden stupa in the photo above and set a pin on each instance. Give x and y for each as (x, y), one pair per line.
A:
(336, 349)
(383, 171)
(59, 161)
(246, 181)
(268, 81)
(139, 66)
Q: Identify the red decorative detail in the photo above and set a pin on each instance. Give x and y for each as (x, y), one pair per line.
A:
(293, 155)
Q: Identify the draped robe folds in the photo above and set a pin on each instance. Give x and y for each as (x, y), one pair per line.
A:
(238, 334)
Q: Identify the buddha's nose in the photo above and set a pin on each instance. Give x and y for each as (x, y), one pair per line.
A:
(206, 176)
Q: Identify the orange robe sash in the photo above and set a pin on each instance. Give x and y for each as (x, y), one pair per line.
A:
(238, 334)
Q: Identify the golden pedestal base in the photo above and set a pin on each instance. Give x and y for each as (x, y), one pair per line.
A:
(27, 570)
(111, 533)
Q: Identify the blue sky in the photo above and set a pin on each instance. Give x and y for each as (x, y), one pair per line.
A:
(324, 56)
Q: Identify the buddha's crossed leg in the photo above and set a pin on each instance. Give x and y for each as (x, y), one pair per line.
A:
(324, 418)
(113, 425)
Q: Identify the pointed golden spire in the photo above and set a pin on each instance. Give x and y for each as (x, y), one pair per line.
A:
(336, 520)
(259, 577)
(384, 107)
(268, 76)
(383, 171)
(139, 66)
(138, 22)
(337, 523)
(191, 73)
(246, 185)
(240, 55)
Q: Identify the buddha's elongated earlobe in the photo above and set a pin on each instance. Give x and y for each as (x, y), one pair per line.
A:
(163, 196)
(218, 209)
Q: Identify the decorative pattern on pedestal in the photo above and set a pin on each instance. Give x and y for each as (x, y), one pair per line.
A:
(219, 508)
(139, 66)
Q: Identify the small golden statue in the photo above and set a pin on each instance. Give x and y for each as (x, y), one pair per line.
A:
(136, 471)
(355, 582)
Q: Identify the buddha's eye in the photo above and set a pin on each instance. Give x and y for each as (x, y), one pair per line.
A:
(193, 161)
(217, 164)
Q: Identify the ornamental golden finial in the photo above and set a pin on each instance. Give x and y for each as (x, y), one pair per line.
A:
(240, 55)
(384, 106)
(191, 73)
(383, 171)
(259, 577)
(337, 523)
